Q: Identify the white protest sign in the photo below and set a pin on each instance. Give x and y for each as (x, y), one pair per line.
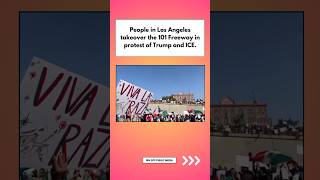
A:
(243, 161)
(283, 129)
(62, 111)
(132, 99)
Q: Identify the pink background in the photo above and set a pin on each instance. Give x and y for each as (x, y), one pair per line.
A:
(130, 142)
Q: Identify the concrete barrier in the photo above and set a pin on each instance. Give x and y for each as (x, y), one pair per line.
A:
(225, 149)
(177, 108)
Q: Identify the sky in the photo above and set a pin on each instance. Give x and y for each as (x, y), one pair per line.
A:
(78, 42)
(165, 80)
(259, 56)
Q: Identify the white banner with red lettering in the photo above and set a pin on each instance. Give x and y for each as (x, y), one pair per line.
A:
(131, 99)
(62, 111)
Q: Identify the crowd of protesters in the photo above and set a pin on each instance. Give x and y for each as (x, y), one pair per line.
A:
(258, 130)
(197, 102)
(60, 171)
(284, 171)
(161, 118)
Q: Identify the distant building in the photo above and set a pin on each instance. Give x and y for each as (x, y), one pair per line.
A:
(228, 112)
(184, 97)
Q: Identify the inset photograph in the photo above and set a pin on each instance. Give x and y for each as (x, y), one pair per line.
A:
(160, 93)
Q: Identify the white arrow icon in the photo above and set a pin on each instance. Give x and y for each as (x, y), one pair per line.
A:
(191, 160)
(198, 160)
(185, 160)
